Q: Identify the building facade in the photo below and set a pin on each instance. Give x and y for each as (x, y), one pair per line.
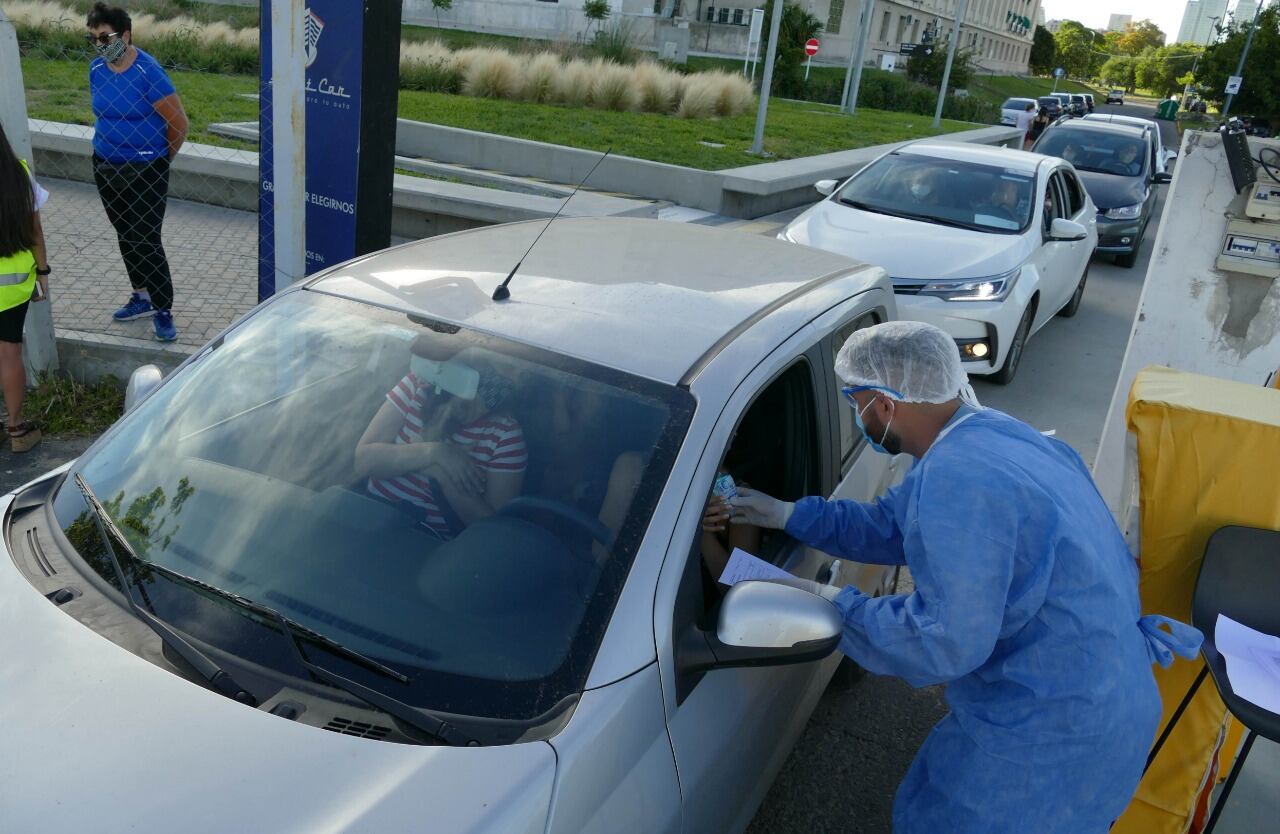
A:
(1244, 12)
(1119, 22)
(1199, 20)
(998, 32)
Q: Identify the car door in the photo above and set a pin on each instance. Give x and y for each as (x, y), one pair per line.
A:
(731, 729)
(1063, 260)
(1051, 205)
(1077, 253)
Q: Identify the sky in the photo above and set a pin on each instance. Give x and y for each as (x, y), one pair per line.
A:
(1167, 14)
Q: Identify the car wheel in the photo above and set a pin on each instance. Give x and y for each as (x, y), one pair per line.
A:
(1014, 357)
(1073, 306)
(1128, 259)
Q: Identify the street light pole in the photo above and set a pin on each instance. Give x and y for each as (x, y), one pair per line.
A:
(951, 54)
(864, 35)
(1248, 42)
(775, 25)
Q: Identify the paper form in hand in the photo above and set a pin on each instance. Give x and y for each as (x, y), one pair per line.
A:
(743, 566)
(1253, 662)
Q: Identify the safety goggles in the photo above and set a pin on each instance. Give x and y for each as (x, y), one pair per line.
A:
(103, 39)
(849, 390)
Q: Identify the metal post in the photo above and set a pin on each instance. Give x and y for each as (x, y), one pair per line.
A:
(863, 37)
(288, 140)
(951, 54)
(757, 146)
(1248, 42)
(39, 350)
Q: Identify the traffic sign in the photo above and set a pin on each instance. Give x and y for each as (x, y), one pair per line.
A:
(1233, 84)
(1059, 72)
(811, 47)
(907, 48)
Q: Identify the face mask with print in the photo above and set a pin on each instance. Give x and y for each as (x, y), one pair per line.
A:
(112, 52)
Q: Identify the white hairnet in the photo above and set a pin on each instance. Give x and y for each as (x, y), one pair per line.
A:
(919, 361)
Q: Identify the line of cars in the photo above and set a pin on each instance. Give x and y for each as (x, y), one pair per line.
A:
(1057, 105)
(991, 243)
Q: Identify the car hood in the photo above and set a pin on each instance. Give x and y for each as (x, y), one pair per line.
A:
(907, 248)
(101, 740)
(1109, 191)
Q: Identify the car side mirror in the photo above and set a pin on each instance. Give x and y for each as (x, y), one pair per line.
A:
(1067, 230)
(765, 624)
(826, 187)
(1162, 177)
(142, 382)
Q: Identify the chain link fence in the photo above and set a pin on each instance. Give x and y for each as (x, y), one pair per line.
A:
(123, 216)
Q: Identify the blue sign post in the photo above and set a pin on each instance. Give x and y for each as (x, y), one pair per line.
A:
(352, 72)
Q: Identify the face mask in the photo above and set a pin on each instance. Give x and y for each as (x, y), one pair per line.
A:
(879, 447)
(112, 52)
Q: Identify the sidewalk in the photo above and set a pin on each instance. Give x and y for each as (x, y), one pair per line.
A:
(212, 252)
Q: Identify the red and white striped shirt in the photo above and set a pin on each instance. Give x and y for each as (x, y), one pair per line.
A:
(494, 442)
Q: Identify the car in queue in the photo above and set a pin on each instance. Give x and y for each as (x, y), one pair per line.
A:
(1089, 102)
(1164, 156)
(986, 243)
(1119, 168)
(1068, 109)
(1115, 97)
(231, 603)
(1079, 105)
(1013, 107)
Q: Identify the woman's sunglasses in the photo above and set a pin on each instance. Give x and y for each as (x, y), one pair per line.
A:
(104, 38)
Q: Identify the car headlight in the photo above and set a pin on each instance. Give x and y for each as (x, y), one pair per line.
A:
(994, 288)
(1124, 212)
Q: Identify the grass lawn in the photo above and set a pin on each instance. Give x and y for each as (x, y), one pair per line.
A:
(58, 90)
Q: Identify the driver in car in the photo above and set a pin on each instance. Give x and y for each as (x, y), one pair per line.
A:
(1126, 161)
(1004, 202)
(441, 448)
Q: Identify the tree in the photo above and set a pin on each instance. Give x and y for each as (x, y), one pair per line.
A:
(1118, 71)
(595, 11)
(441, 4)
(1043, 52)
(1074, 43)
(797, 26)
(1260, 92)
(927, 65)
(1138, 37)
(1162, 70)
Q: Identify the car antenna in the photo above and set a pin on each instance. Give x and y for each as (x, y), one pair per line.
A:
(502, 293)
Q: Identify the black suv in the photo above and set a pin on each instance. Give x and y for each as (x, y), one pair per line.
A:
(1117, 164)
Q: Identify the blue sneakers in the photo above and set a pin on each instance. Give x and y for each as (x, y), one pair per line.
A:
(165, 331)
(135, 308)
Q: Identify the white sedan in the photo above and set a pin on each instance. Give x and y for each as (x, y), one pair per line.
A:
(986, 243)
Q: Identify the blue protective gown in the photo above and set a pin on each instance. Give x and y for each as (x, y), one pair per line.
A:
(1026, 606)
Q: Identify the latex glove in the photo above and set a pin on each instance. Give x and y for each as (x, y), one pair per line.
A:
(827, 592)
(752, 507)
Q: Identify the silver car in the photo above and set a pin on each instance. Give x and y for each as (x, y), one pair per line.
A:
(391, 555)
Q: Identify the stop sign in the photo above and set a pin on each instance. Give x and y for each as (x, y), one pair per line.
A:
(811, 47)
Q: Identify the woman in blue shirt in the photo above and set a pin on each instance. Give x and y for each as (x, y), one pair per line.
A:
(140, 127)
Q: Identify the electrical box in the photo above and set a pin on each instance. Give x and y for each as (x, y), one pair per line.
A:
(1264, 201)
(1251, 248)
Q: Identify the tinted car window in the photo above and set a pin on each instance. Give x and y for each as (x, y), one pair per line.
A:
(950, 193)
(242, 472)
(1122, 154)
(1016, 103)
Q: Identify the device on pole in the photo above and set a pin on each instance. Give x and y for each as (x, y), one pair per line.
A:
(753, 41)
(864, 35)
(1238, 76)
(810, 49)
(775, 24)
(951, 54)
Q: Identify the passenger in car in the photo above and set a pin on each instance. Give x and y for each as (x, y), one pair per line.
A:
(442, 448)
(719, 538)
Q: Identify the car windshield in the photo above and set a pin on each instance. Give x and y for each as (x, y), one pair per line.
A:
(1016, 104)
(1099, 151)
(967, 195)
(458, 507)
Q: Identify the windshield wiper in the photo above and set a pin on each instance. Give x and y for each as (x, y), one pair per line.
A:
(907, 215)
(293, 630)
(214, 675)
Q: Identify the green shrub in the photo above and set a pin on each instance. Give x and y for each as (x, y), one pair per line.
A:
(616, 44)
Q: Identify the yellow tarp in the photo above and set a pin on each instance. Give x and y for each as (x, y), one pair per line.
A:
(1207, 452)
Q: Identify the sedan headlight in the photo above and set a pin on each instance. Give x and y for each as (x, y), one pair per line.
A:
(1124, 212)
(994, 288)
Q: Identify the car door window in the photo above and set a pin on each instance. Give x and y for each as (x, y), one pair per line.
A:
(1073, 193)
(851, 440)
(774, 450)
(1053, 203)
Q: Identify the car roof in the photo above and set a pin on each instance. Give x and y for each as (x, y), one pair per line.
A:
(982, 154)
(1019, 98)
(1112, 118)
(1101, 127)
(650, 297)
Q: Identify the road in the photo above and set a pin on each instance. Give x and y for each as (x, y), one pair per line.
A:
(845, 769)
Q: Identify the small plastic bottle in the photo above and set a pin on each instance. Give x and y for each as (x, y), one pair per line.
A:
(724, 487)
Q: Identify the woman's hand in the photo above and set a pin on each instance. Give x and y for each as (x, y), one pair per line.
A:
(453, 464)
(715, 519)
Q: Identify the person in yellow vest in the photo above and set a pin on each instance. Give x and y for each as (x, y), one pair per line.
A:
(24, 267)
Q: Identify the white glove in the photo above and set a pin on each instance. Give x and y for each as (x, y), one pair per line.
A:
(752, 507)
(827, 592)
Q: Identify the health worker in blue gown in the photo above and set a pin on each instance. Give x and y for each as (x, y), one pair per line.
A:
(1025, 602)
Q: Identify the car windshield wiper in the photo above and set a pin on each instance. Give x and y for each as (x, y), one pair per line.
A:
(293, 631)
(907, 215)
(217, 678)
